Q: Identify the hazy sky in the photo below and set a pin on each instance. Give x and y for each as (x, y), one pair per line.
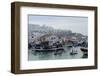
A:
(75, 24)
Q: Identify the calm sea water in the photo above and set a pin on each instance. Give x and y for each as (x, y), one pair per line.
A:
(53, 56)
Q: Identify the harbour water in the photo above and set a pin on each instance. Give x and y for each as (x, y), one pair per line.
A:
(66, 54)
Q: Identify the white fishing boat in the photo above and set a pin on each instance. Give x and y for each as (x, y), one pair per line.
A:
(74, 51)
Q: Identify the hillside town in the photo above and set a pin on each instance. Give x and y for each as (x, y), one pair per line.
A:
(47, 39)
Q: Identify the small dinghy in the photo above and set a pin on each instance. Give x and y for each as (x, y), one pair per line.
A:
(73, 52)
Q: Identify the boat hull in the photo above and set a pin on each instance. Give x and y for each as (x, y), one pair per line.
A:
(84, 49)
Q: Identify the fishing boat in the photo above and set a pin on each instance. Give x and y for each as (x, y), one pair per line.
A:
(84, 49)
(45, 47)
(44, 50)
(73, 52)
(85, 52)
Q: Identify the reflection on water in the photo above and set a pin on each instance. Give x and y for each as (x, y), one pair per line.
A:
(52, 55)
